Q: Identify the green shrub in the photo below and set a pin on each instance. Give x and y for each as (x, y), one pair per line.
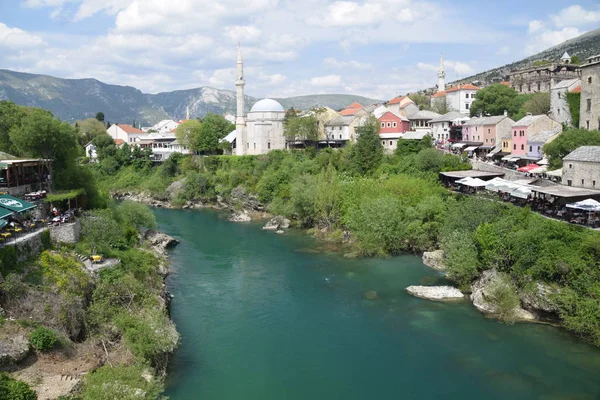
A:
(123, 383)
(12, 389)
(502, 294)
(42, 339)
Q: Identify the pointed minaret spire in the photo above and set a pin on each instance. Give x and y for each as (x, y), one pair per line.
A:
(441, 75)
(239, 83)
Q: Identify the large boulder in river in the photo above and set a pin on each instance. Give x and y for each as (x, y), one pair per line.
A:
(240, 217)
(482, 294)
(13, 349)
(538, 300)
(277, 223)
(436, 293)
(434, 259)
(248, 201)
(159, 241)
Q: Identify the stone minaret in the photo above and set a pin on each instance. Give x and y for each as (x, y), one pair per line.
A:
(240, 121)
(441, 76)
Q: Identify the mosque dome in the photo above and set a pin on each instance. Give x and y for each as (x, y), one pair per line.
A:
(267, 105)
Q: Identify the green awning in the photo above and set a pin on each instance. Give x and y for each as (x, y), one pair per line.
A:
(13, 204)
(5, 213)
(3, 223)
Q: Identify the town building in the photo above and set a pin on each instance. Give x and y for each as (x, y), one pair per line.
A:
(262, 129)
(589, 112)
(341, 130)
(536, 143)
(163, 145)
(420, 120)
(559, 106)
(441, 126)
(487, 130)
(90, 152)
(164, 126)
(352, 109)
(391, 123)
(127, 133)
(581, 168)
(458, 98)
(402, 106)
(528, 127)
(541, 78)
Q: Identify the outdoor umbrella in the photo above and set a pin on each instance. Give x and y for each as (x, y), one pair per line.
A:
(587, 205)
(528, 168)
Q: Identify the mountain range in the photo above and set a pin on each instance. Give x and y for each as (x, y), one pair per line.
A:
(75, 99)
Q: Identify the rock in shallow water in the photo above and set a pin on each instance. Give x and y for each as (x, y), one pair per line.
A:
(277, 223)
(159, 241)
(434, 259)
(436, 293)
(240, 217)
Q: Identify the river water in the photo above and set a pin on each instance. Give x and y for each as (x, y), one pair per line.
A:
(264, 316)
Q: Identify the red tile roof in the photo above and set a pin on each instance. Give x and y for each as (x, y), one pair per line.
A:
(577, 89)
(396, 100)
(505, 83)
(119, 142)
(440, 94)
(355, 105)
(462, 87)
(130, 129)
(349, 111)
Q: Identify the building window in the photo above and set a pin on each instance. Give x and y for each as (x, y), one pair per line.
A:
(269, 145)
(582, 182)
(570, 166)
(559, 95)
(522, 147)
(529, 88)
(539, 87)
(489, 131)
(390, 142)
(467, 106)
(394, 124)
(594, 183)
(587, 124)
(389, 124)
(514, 146)
(569, 182)
(255, 145)
(383, 142)
(538, 149)
(589, 104)
(248, 145)
(521, 88)
(515, 133)
(530, 149)
(383, 124)
(486, 140)
(590, 80)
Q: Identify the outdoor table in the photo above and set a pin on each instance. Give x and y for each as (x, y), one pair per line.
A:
(5, 234)
(96, 258)
(17, 230)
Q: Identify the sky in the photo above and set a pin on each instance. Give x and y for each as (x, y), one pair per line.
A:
(374, 48)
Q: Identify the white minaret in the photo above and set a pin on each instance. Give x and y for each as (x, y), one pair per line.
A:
(187, 112)
(240, 121)
(441, 75)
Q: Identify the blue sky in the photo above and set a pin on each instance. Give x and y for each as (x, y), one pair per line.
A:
(375, 48)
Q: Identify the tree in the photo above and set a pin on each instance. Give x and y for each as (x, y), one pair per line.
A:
(10, 116)
(367, 153)
(187, 132)
(213, 128)
(100, 230)
(568, 141)
(12, 389)
(302, 128)
(89, 129)
(575, 60)
(494, 100)
(105, 146)
(537, 104)
(100, 117)
(441, 105)
(42, 136)
(406, 147)
(421, 100)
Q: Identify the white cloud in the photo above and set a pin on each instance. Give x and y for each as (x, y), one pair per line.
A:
(535, 26)
(450, 66)
(369, 12)
(576, 16)
(46, 3)
(327, 80)
(247, 34)
(332, 62)
(274, 79)
(18, 38)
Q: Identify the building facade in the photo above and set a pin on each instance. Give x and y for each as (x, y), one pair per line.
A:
(391, 123)
(458, 98)
(559, 107)
(127, 133)
(535, 144)
(528, 127)
(589, 112)
(541, 78)
(581, 168)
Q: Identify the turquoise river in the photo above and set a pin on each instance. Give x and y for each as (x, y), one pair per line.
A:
(266, 317)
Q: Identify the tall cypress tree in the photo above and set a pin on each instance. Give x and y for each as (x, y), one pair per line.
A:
(368, 150)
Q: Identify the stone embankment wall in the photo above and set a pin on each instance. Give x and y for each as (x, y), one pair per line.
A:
(30, 246)
(66, 233)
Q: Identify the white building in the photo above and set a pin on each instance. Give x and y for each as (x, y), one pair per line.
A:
(127, 133)
(163, 145)
(440, 126)
(420, 120)
(458, 98)
(164, 126)
(90, 152)
(262, 129)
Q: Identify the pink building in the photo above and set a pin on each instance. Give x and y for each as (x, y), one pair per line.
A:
(528, 127)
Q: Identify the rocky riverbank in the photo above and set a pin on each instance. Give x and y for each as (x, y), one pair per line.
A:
(436, 293)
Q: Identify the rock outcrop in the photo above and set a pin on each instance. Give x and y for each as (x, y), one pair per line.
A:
(539, 302)
(242, 216)
(277, 223)
(13, 349)
(159, 241)
(175, 188)
(481, 292)
(248, 201)
(436, 293)
(434, 259)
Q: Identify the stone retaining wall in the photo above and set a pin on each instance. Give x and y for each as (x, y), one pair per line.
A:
(30, 246)
(66, 233)
(509, 174)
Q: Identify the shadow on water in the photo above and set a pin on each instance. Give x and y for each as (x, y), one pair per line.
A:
(262, 316)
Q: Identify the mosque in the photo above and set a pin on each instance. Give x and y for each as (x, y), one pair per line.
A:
(262, 129)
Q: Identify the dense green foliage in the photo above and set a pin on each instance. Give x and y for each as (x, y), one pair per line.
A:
(42, 339)
(567, 142)
(574, 102)
(497, 98)
(12, 389)
(367, 153)
(123, 383)
(302, 128)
